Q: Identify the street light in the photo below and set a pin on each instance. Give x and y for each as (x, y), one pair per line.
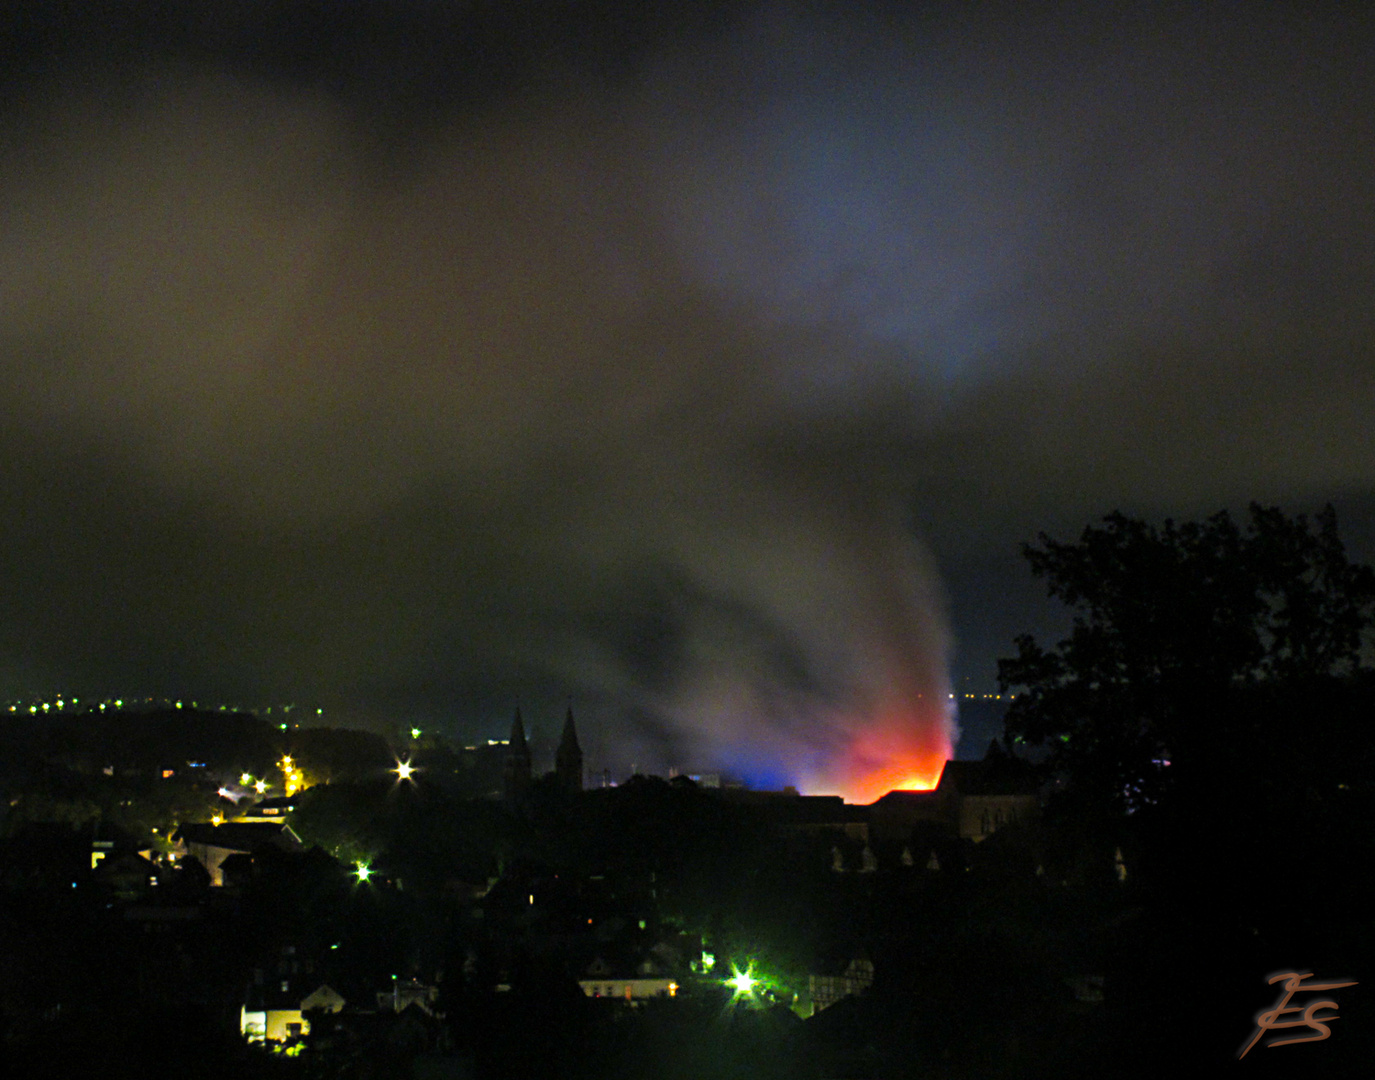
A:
(742, 982)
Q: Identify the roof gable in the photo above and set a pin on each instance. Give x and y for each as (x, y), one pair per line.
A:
(245, 836)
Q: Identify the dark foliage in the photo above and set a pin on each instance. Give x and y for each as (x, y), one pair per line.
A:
(1183, 637)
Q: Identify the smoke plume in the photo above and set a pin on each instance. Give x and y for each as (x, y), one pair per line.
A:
(469, 420)
(361, 364)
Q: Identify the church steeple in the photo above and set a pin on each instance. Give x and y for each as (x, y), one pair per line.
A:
(568, 759)
(517, 773)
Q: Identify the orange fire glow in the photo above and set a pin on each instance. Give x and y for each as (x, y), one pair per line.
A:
(895, 757)
(918, 775)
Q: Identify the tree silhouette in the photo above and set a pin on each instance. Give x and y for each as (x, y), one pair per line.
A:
(1179, 633)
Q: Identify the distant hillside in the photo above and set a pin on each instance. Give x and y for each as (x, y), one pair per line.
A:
(226, 743)
(90, 742)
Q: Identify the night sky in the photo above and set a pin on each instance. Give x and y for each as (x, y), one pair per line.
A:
(403, 359)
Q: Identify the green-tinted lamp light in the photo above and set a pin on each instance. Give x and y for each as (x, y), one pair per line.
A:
(742, 982)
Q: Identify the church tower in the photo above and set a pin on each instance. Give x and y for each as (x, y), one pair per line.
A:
(517, 774)
(568, 760)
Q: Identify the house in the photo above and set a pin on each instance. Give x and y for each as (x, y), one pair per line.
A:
(972, 800)
(236, 870)
(828, 988)
(279, 996)
(812, 826)
(274, 809)
(272, 1012)
(324, 998)
(984, 798)
(603, 980)
(128, 875)
(405, 993)
(211, 844)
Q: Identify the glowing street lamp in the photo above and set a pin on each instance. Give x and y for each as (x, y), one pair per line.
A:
(245, 779)
(403, 770)
(260, 786)
(292, 777)
(742, 982)
(363, 872)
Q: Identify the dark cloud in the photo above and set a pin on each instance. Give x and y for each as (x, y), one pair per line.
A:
(402, 370)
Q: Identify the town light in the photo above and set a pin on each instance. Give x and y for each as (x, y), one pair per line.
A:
(403, 770)
(742, 982)
(363, 871)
